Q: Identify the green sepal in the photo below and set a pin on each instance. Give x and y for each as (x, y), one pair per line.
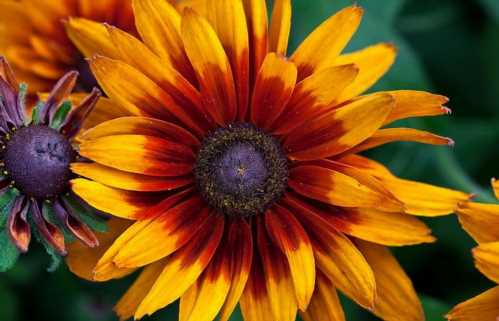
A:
(8, 252)
(55, 259)
(21, 97)
(35, 115)
(60, 115)
(87, 214)
(49, 215)
(6, 202)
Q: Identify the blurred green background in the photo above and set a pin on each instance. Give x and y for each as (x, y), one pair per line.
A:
(445, 46)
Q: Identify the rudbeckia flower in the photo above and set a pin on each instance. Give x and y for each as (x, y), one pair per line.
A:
(34, 39)
(239, 166)
(35, 196)
(481, 221)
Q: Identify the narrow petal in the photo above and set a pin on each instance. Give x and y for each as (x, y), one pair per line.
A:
(128, 181)
(482, 307)
(142, 126)
(50, 233)
(280, 27)
(396, 298)
(487, 260)
(419, 198)
(481, 221)
(74, 122)
(140, 154)
(336, 256)
(325, 304)
(182, 269)
(17, 225)
(61, 91)
(158, 24)
(212, 67)
(7, 74)
(321, 48)
(240, 239)
(278, 278)
(164, 235)
(336, 188)
(229, 22)
(128, 304)
(273, 89)
(290, 237)
(117, 202)
(138, 94)
(390, 135)
(314, 95)
(255, 301)
(495, 187)
(373, 62)
(90, 38)
(256, 17)
(82, 260)
(411, 103)
(340, 129)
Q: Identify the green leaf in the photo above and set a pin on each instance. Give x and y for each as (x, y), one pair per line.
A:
(6, 200)
(8, 252)
(23, 90)
(435, 309)
(61, 115)
(35, 116)
(87, 214)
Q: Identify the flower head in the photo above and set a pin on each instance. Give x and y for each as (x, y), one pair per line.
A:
(481, 221)
(35, 157)
(240, 169)
(34, 39)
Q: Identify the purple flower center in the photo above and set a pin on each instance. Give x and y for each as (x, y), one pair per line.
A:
(37, 161)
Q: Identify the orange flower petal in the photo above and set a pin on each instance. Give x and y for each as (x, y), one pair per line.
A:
(336, 256)
(280, 27)
(314, 95)
(290, 237)
(340, 129)
(373, 62)
(487, 260)
(7, 74)
(321, 48)
(325, 304)
(396, 298)
(117, 202)
(240, 239)
(390, 135)
(158, 24)
(140, 154)
(182, 269)
(495, 187)
(482, 307)
(481, 221)
(212, 67)
(90, 37)
(273, 89)
(229, 22)
(278, 279)
(336, 188)
(256, 17)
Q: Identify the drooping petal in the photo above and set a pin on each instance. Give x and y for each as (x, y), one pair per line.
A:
(140, 154)
(321, 48)
(256, 17)
(315, 95)
(18, 226)
(118, 202)
(280, 27)
(325, 304)
(164, 235)
(412, 103)
(159, 23)
(128, 304)
(49, 232)
(290, 237)
(481, 221)
(82, 260)
(128, 181)
(390, 135)
(373, 62)
(61, 91)
(212, 67)
(182, 269)
(90, 37)
(482, 307)
(419, 198)
(74, 122)
(340, 129)
(278, 278)
(273, 89)
(336, 256)
(487, 260)
(333, 187)
(73, 223)
(240, 239)
(229, 22)
(396, 298)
